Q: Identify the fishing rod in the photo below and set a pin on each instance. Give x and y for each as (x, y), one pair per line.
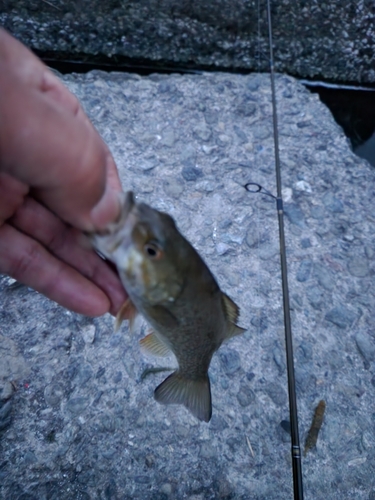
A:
(253, 187)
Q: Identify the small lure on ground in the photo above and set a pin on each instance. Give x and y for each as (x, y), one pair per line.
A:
(312, 436)
(170, 285)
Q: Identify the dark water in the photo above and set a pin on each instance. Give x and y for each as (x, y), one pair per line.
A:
(354, 110)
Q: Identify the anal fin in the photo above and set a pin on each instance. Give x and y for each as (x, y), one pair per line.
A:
(195, 394)
(152, 344)
(127, 311)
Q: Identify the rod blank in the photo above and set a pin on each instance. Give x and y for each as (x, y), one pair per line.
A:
(296, 451)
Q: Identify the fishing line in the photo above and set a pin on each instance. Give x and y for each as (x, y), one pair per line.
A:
(253, 187)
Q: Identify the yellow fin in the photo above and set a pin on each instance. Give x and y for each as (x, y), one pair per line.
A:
(231, 309)
(234, 330)
(195, 395)
(127, 311)
(152, 344)
(232, 313)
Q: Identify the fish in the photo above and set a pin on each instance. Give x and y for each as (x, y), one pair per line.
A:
(170, 285)
(317, 421)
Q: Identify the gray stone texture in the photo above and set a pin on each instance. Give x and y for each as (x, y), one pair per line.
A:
(78, 419)
(330, 40)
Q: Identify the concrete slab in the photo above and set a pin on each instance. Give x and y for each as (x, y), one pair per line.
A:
(82, 423)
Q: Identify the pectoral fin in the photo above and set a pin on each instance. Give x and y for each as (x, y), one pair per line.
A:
(195, 395)
(152, 344)
(127, 311)
(164, 316)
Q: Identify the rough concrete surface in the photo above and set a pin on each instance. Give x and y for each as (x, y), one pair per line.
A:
(77, 419)
(329, 40)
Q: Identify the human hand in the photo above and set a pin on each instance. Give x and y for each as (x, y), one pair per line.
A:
(57, 179)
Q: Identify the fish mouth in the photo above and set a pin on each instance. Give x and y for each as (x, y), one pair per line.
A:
(127, 205)
(118, 232)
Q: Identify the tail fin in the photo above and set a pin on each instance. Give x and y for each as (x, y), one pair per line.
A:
(194, 394)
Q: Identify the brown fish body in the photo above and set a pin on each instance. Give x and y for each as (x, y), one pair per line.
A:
(192, 332)
(171, 286)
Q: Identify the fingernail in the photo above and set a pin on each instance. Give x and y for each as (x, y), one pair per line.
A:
(107, 210)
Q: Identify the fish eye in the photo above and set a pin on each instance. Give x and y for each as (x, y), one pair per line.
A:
(152, 250)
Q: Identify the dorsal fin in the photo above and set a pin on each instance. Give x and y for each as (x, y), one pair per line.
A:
(231, 309)
(152, 344)
(232, 313)
(234, 330)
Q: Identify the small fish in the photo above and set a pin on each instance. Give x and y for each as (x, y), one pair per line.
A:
(316, 424)
(171, 286)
